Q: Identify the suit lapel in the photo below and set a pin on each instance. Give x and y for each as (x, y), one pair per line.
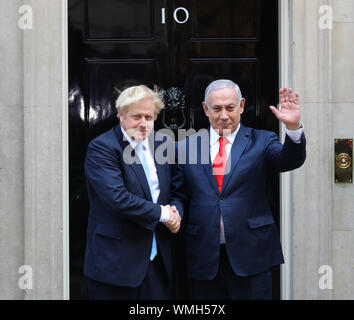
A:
(239, 145)
(136, 166)
(208, 167)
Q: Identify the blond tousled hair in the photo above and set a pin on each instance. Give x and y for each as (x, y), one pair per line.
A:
(136, 93)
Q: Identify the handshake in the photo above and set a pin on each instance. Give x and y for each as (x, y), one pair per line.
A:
(174, 223)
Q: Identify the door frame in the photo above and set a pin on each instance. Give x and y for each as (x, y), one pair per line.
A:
(286, 182)
(65, 148)
(286, 222)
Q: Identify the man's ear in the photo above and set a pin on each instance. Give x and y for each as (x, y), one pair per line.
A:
(120, 115)
(206, 109)
(242, 105)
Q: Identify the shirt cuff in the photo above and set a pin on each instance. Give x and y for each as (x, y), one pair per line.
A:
(295, 135)
(165, 214)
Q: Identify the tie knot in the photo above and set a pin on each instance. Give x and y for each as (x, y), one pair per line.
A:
(223, 141)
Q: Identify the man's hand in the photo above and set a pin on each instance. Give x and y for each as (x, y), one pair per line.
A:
(175, 220)
(289, 112)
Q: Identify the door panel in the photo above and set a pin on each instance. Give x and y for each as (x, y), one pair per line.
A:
(203, 71)
(105, 75)
(225, 19)
(118, 20)
(179, 46)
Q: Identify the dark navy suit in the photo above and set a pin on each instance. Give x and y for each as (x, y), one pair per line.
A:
(122, 215)
(251, 236)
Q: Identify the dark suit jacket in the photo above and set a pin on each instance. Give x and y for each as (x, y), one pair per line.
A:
(252, 239)
(122, 215)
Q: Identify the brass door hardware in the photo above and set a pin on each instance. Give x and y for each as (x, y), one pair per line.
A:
(343, 160)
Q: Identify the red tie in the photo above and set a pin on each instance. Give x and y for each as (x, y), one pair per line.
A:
(220, 162)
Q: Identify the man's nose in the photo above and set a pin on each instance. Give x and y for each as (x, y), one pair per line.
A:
(142, 122)
(224, 114)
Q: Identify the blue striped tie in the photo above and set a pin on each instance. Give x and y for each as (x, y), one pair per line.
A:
(147, 174)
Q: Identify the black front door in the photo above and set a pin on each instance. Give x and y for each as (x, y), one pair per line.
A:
(179, 46)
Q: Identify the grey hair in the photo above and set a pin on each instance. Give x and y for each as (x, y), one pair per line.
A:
(222, 84)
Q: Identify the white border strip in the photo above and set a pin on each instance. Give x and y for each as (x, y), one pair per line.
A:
(286, 224)
(65, 151)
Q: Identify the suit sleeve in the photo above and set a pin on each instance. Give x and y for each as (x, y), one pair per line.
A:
(287, 156)
(104, 175)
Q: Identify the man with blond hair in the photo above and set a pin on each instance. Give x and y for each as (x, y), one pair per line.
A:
(128, 251)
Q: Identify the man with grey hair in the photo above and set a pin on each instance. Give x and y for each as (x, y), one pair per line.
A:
(128, 250)
(231, 238)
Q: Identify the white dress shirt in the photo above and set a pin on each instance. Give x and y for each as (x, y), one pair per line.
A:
(294, 135)
(154, 179)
